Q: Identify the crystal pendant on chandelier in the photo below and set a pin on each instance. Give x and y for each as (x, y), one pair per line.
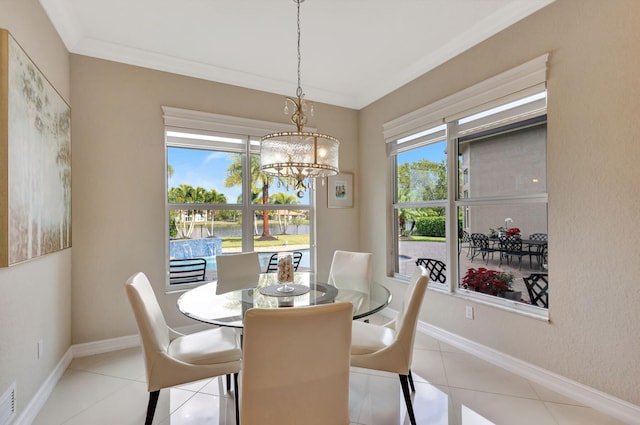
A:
(299, 156)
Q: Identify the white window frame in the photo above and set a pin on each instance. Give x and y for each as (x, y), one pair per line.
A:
(204, 123)
(517, 83)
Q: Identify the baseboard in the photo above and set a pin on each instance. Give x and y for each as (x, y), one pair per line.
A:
(121, 343)
(31, 410)
(605, 403)
(105, 346)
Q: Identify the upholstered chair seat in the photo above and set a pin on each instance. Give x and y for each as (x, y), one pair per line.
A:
(389, 348)
(172, 358)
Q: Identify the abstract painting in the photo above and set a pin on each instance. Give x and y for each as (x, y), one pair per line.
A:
(35, 160)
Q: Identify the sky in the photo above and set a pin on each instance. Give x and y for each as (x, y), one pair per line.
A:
(434, 152)
(208, 169)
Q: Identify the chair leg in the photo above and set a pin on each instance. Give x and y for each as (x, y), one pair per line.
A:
(407, 398)
(151, 408)
(413, 388)
(228, 382)
(236, 396)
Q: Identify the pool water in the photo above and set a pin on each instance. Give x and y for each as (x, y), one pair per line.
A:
(263, 258)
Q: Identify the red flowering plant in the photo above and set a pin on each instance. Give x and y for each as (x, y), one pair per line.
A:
(490, 282)
(513, 231)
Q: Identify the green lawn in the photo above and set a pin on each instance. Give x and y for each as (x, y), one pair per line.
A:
(416, 238)
(236, 242)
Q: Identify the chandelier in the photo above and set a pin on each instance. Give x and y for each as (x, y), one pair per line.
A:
(298, 156)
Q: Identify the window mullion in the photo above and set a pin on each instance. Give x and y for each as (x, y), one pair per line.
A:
(452, 210)
(247, 222)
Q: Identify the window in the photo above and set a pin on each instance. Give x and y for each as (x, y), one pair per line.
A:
(218, 201)
(482, 172)
(420, 198)
(505, 195)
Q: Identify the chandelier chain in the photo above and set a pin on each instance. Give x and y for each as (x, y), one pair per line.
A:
(298, 157)
(299, 90)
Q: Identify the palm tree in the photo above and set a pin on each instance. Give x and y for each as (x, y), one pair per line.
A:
(234, 178)
(184, 194)
(282, 198)
(213, 197)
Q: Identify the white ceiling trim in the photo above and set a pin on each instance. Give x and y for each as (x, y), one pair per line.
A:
(74, 37)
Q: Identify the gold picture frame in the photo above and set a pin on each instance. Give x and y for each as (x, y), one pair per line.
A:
(35, 160)
(340, 191)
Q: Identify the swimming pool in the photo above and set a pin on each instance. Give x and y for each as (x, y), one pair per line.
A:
(264, 257)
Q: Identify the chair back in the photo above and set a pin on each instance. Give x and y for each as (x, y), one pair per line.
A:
(538, 288)
(436, 268)
(237, 271)
(272, 267)
(479, 240)
(351, 270)
(152, 326)
(538, 236)
(407, 319)
(510, 244)
(296, 365)
(187, 270)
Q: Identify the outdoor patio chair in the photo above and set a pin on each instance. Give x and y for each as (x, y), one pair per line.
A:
(511, 246)
(536, 250)
(464, 242)
(480, 245)
(187, 270)
(272, 267)
(436, 268)
(538, 288)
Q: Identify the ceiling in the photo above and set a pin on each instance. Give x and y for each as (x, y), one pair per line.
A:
(353, 51)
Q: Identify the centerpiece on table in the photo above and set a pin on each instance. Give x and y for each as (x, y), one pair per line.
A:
(513, 231)
(285, 271)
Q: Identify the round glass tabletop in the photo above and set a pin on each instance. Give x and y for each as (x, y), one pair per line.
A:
(203, 304)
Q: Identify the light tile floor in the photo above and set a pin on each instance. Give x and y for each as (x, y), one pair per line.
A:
(452, 388)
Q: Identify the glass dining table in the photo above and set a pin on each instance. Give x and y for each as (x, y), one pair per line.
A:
(228, 309)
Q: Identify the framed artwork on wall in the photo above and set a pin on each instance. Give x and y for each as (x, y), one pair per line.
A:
(35, 160)
(340, 191)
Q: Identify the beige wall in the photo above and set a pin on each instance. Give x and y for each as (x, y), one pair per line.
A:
(118, 182)
(118, 194)
(34, 296)
(593, 149)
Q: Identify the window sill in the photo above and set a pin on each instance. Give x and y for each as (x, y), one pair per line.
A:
(527, 310)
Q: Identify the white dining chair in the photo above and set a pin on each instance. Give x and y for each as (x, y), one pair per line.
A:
(351, 273)
(389, 347)
(172, 358)
(295, 366)
(351, 270)
(237, 271)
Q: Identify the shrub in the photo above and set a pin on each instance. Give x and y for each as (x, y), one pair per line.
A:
(431, 226)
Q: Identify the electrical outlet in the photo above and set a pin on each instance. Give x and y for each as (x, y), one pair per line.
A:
(469, 312)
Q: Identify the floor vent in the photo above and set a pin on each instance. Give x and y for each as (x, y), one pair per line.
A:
(8, 405)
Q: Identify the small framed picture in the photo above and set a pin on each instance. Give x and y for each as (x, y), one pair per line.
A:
(340, 191)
